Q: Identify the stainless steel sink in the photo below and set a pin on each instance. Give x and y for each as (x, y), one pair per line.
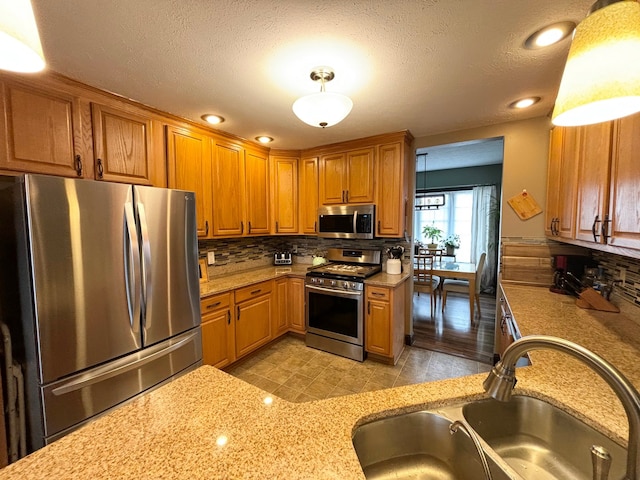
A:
(540, 441)
(418, 446)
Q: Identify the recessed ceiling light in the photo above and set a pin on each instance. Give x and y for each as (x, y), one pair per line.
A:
(549, 35)
(525, 102)
(212, 118)
(264, 139)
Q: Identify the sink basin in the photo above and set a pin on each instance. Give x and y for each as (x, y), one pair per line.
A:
(416, 446)
(540, 441)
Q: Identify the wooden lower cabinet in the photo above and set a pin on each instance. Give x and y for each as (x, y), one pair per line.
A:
(218, 330)
(296, 305)
(281, 320)
(384, 321)
(254, 311)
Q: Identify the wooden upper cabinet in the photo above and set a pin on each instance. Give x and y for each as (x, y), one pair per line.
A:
(227, 184)
(123, 145)
(553, 181)
(360, 177)
(568, 180)
(309, 196)
(392, 191)
(41, 132)
(257, 192)
(593, 181)
(285, 194)
(333, 172)
(347, 177)
(189, 168)
(624, 214)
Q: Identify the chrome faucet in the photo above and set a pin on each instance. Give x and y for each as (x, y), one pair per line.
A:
(460, 425)
(502, 379)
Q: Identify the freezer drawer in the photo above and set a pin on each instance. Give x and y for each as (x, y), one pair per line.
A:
(73, 400)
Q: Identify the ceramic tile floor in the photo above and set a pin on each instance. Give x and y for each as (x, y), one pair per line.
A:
(292, 371)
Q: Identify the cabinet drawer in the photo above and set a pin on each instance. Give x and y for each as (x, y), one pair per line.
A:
(215, 302)
(378, 293)
(252, 291)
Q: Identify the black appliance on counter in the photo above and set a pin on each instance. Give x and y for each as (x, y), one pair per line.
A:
(334, 312)
(573, 264)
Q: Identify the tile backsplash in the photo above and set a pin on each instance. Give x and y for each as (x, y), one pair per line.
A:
(245, 253)
(616, 266)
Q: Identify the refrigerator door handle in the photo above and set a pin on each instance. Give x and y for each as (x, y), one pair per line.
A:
(147, 287)
(108, 371)
(132, 266)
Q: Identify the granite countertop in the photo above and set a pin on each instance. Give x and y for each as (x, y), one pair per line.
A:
(225, 283)
(173, 432)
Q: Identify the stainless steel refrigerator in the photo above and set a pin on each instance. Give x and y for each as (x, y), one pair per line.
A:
(100, 289)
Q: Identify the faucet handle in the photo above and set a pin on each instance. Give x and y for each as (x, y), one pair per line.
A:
(601, 460)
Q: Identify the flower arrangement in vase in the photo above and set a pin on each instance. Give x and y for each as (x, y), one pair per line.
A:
(451, 242)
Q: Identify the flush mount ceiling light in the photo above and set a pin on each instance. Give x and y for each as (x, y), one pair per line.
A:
(212, 118)
(264, 139)
(322, 109)
(524, 102)
(20, 48)
(549, 35)
(601, 79)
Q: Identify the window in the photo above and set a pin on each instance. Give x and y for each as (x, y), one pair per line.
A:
(453, 218)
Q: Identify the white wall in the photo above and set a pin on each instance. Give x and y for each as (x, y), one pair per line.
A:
(526, 146)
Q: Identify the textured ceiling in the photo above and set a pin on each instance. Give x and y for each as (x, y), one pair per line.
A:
(474, 153)
(429, 66)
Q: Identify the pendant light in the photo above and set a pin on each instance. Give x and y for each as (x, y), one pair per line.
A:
(601, 79)
(20, 48)
(322, 109)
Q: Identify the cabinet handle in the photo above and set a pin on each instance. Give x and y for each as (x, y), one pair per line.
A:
(342, 196)
(594, 228)
(100, 168)
(556, 222)
(249, 229)
(347, 196)
(605, 228)
(206, 228)
(238, 313)
(276, 227)
(228, 317)
(377, 294)
(241, 228)
(256, 291)
(315, 226)
(79, 165)
(213, 305)
(368, 308)
(378, 227)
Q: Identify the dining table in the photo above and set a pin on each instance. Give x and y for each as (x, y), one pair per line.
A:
(459, 270)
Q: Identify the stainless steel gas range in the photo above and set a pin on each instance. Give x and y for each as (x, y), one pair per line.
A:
(335, 301)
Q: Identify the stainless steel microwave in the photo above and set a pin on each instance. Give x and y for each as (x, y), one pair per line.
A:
(346, 221)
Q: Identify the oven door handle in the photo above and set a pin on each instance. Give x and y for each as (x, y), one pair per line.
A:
(338, 293)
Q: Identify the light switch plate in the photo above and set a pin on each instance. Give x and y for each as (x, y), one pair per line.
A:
(211, 258)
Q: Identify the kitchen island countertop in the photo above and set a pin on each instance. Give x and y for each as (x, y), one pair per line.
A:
(176, 431)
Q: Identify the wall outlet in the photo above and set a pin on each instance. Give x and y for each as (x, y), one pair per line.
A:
(211, 258)
(294, 248)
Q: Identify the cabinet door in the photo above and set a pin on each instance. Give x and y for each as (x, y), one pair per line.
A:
(377, 328)
(360, 176)
(593, 181)
(227, 184)
(253, 324)
(257, 193)
(391, 202)
(285, 194)
(189, 164)
(553, 181)
(568, 183)
(332, 179)
(624, 228)
(281, 318)
(296, 305)
(218, 338)
(309, 196)
(123, 145)
(41, 132)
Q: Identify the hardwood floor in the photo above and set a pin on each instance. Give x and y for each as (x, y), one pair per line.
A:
(450, 331)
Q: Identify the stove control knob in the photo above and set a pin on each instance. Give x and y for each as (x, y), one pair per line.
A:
(321, 281)
(345, 285)
(333, 283)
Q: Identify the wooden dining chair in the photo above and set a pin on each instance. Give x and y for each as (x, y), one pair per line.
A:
(423, 279)
(462, 286)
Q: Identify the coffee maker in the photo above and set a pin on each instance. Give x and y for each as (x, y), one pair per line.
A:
(574, 264)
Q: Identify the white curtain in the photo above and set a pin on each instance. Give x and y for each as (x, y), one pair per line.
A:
(484, 233)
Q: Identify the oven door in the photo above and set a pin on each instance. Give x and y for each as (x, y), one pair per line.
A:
(335, 314)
